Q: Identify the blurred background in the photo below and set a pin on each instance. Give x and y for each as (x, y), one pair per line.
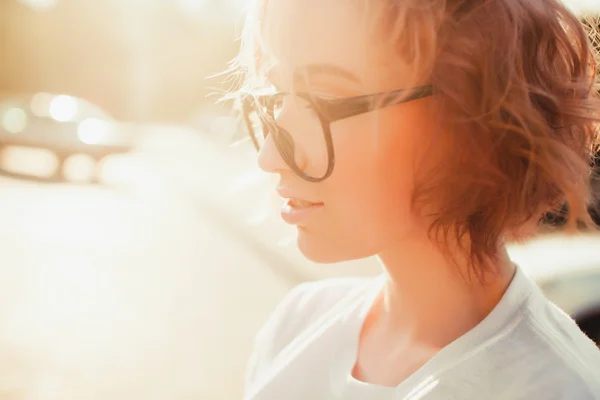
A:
(140, 248)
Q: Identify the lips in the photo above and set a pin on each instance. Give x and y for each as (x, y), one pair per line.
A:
(297, 210)
(295, 213)
(296, 199)
(299, 203)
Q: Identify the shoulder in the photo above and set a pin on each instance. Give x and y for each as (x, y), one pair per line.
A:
(302, 307)
(576, 356)
(540, 353)
(306, 303)
(556, 359)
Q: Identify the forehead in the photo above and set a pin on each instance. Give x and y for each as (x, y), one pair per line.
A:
(297, 33)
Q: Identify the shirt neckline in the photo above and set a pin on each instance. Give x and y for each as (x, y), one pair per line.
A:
(494, 326)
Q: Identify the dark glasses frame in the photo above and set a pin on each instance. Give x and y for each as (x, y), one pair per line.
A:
(328, 112)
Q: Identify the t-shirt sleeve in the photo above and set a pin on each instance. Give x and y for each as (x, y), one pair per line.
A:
(272, 336)
(296, 312)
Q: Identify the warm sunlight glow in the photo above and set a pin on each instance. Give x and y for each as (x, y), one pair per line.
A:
(14, 120)
(191, 6)
(71, 309)
(129, 170)
(63, 108)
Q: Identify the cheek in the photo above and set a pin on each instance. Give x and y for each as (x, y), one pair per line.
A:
(369, 193)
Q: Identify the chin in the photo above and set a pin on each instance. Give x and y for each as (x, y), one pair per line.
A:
(322, 251)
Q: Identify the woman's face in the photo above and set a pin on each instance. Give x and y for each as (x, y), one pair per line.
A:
(364, 207)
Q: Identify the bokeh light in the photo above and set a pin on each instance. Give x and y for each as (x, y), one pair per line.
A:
(63, 108)
(40, 104)
(39, 5)
(14, 120)
(79, 168)
(93, 131)
(39, 163)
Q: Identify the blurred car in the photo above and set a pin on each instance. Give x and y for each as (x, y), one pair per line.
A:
(63, 125)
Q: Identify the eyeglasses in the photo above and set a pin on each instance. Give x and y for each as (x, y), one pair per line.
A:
(313, 117)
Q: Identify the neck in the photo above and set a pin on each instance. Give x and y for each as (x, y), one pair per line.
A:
(430, 299)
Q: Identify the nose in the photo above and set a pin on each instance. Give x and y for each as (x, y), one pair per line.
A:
(269, 158)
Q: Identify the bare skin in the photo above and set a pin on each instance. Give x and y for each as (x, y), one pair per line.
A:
(426, 303)
(421, 310)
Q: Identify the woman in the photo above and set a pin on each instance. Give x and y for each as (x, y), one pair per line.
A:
(428, 133)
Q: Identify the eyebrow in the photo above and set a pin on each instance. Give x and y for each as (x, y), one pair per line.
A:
(324, 69)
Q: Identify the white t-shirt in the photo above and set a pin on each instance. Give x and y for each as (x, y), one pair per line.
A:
(525, 349)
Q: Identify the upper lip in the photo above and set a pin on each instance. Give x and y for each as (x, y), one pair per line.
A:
(287, 193)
